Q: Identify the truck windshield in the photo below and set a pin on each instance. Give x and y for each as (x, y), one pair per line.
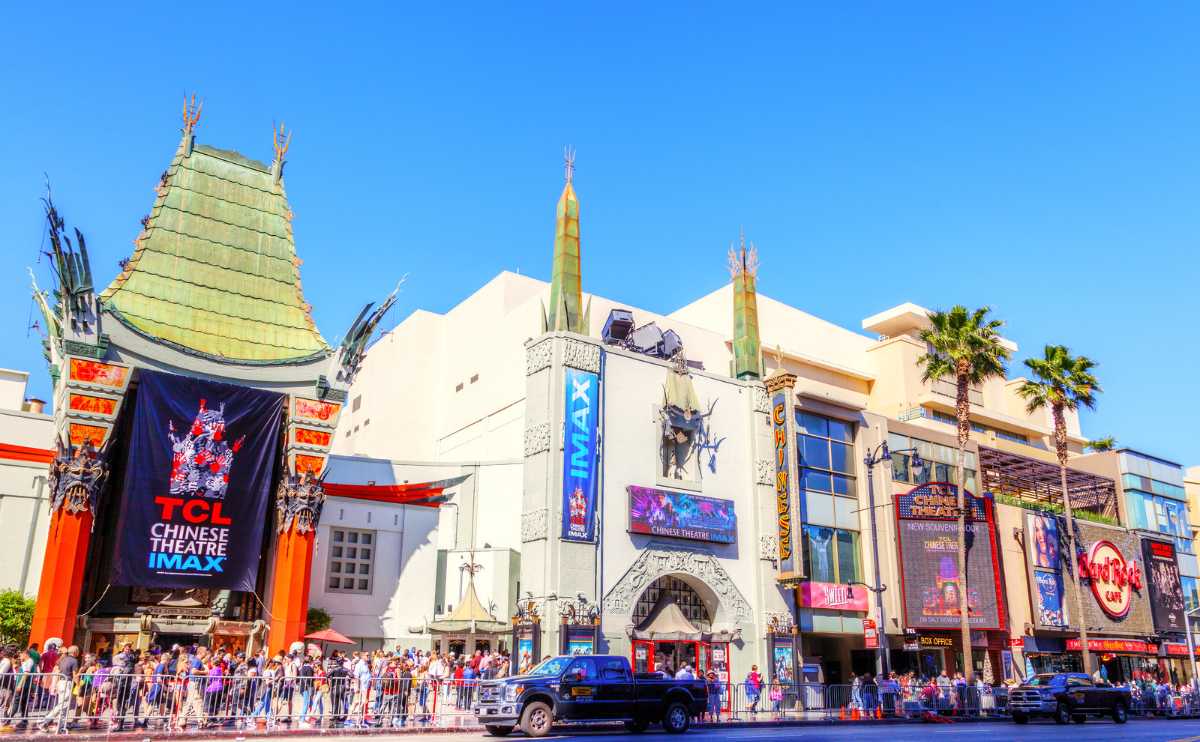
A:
(551, 667)
(1043, 679)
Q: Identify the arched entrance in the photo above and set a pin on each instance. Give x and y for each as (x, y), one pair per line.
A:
(672, 629)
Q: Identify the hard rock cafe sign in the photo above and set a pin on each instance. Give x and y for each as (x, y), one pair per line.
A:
(1113, 578)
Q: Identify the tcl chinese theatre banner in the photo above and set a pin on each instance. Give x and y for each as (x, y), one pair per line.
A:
(934, 593)
(197, 481)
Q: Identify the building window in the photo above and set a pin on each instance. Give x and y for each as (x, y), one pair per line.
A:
(831, 555)
(940, 462)
(458, 387)
(947, 418)
(351, 556)
(684, 595)
(356, 403)
(1191, 593)
(474, 378)
(1160, 514)
(826, 446)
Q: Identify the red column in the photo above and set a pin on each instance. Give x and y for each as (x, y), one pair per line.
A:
(290, 586)
(57, 609)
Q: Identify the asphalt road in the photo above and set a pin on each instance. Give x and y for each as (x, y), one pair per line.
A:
(1101, 731)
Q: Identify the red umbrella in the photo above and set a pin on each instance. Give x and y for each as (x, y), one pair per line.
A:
(329, 635)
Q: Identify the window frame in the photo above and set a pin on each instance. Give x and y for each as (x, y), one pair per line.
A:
(848, 476)
(337, 555)
(835, 556)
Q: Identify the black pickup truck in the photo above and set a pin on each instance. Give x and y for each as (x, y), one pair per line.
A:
(1067, 696)
(589, 689)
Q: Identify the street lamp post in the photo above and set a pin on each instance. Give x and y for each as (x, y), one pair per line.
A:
(880, 454)
(1191, 645)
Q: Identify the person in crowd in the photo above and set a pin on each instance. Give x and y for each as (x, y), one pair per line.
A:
(714, 688)
(65, 669)
(754, 683)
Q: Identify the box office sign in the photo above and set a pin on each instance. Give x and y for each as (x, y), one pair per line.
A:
(934, 592)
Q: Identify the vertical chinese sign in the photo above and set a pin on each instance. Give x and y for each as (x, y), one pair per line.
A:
(783, 488)
(579, 455)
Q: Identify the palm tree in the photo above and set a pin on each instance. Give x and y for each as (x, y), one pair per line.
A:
(1107, 443)
(1063, 382)
(964, 345)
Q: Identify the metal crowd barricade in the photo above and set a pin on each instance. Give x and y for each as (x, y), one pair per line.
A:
(114, 701)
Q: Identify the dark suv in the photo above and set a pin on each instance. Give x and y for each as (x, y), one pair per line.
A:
(1066, 697)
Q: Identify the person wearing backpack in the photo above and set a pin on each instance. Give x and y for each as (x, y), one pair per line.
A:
(754, 683)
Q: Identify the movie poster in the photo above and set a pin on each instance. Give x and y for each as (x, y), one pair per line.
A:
(1043, 530)
(582, 395)
(934, 595)
(1166, 589)
(1051, 611)
(782, 662)
(658, 512)
(197, 482)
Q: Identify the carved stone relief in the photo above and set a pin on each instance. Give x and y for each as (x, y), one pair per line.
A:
(764, 471)
(538, 356)
(583, 356)
(768, 548)
(534, 525)
(761, 403)
(537, 438)
(658, 560)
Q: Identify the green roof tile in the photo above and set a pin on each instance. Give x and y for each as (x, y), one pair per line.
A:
(215, 270)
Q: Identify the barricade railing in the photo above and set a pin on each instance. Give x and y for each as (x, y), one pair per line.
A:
(116, 701)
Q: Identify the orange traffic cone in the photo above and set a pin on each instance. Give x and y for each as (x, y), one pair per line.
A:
(856, 715)
(879, 712)
(842, 716)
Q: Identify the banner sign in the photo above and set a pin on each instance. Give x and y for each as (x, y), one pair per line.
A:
(1113, 579)
(1124, 646)
(934, 592)
(833, 596)
(582, 393)
(1179, 650)
(783, 488)
(1166, 589)
(197, 481)
(1048, 593)
(681, 515)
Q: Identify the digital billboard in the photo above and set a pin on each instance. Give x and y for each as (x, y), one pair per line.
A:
(934, 593)
(1166, 590)
(658, 512)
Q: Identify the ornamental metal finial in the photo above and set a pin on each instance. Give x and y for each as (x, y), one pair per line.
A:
(743, 260)
(191, 113)
(471, 567)
(569, 160)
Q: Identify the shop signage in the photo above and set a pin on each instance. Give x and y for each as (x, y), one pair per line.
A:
(912, 642)
(934, 593)
(681, 515)
(870, 634)
(1179, 650)
(783, 488)
(1166, 590)
(1113, 579)
(581, 390)
(1127, 646)
(1018, 642)
(197, 482)
(833, 596)
(936, 641)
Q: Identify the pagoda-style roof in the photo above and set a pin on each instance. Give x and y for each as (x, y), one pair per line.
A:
(214, 271)
(469, 617)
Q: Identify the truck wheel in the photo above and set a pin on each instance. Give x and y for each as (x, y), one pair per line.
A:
(1020, 718)
(1120, 713)
(1062, 714)
(498, 730)
(537, 719)
(676, 720)
(636, 726)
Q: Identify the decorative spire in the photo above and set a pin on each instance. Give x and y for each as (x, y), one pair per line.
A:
(281, 144)
(191, 115)
(747, 350)
(566, 281)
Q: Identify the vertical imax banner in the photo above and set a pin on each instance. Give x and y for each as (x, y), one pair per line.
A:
(579, 455)
(197, 481)
(783, 486)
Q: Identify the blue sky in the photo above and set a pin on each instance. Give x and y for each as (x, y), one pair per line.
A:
(1044, 160)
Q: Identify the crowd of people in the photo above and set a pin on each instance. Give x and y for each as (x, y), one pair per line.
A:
(187, 687)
